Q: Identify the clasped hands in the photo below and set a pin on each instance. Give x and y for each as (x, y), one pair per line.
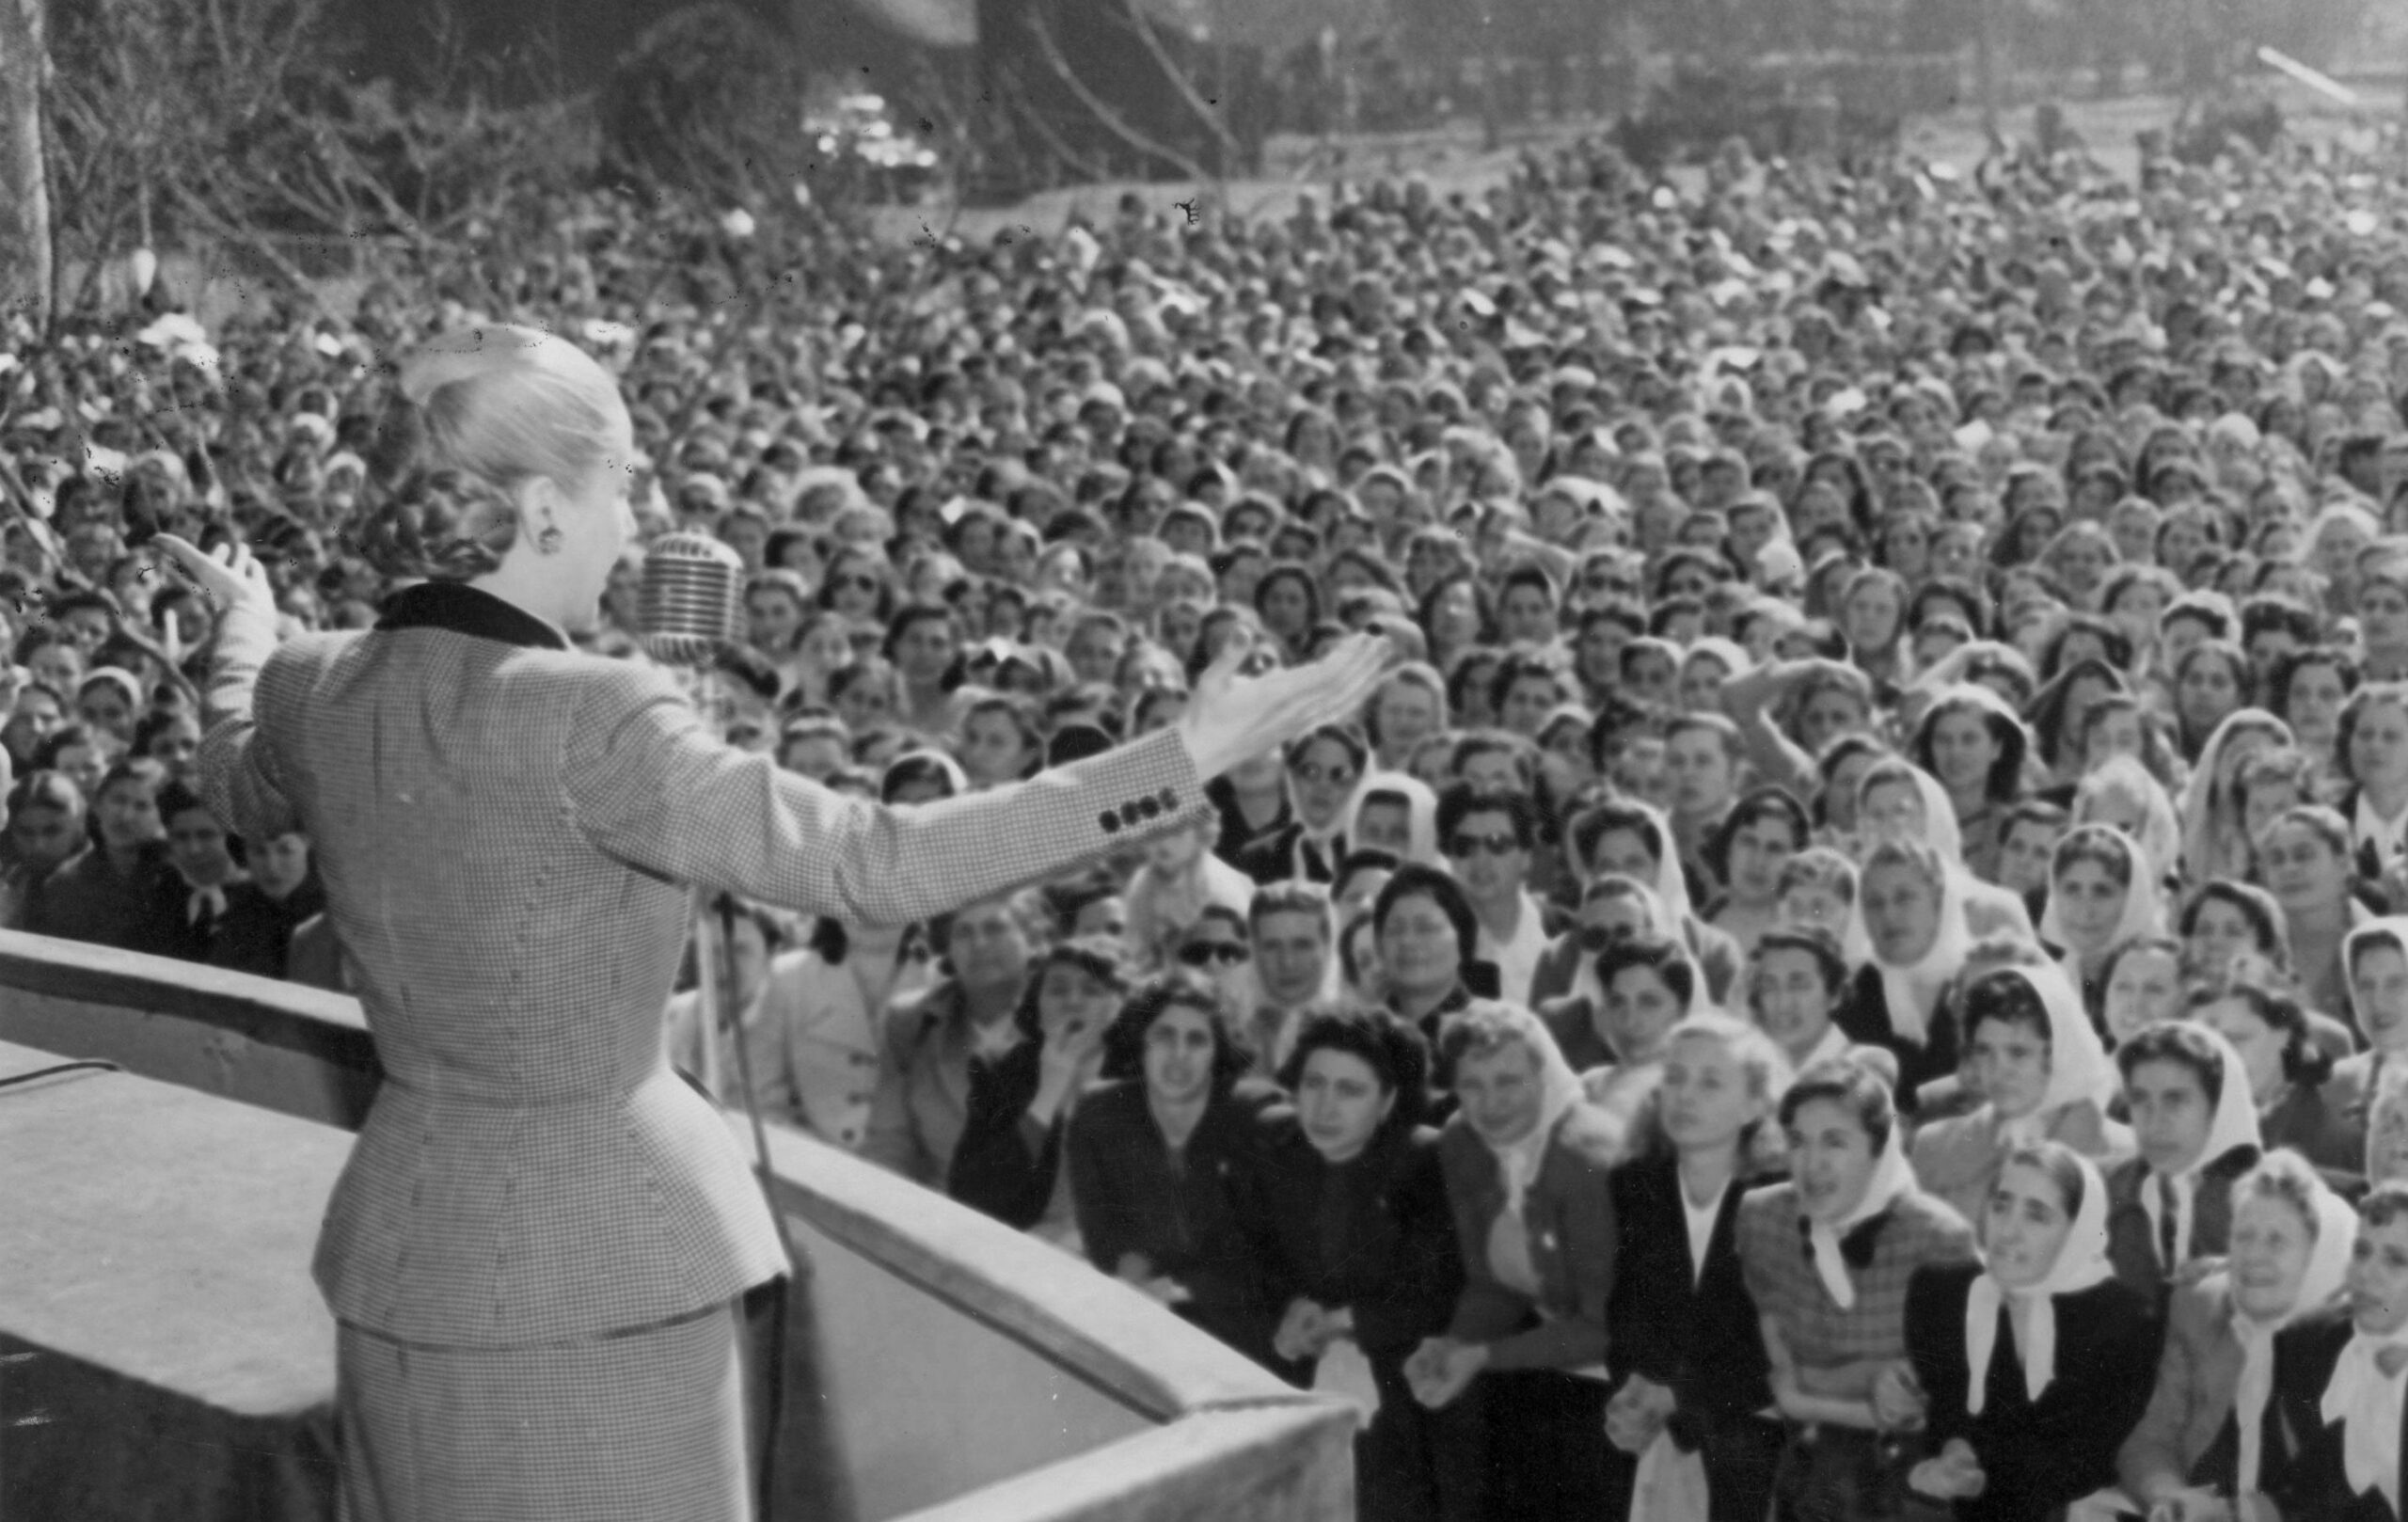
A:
(1899, 1405)
(1635, 1416)
(1441, 1366)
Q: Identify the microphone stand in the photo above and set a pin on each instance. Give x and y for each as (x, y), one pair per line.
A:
(715, 984)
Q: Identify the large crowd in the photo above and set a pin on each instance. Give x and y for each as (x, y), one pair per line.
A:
(1848, 969)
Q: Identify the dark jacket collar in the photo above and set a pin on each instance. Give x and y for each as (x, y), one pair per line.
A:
(464, 609)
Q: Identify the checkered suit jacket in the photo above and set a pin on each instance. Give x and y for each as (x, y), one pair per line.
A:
(505, 829)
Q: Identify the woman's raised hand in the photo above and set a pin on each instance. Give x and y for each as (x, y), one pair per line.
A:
(229, 578)
(1232, 718)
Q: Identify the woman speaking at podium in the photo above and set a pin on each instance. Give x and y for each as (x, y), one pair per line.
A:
(548, 1259)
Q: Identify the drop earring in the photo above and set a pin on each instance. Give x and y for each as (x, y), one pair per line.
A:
(549, 542)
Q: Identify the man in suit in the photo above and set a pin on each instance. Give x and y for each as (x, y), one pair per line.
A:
(2339, 1425)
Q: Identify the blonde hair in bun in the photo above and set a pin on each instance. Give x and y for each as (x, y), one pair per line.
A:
(475, 415)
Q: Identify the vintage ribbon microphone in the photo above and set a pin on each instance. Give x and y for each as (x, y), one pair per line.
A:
(692, 603)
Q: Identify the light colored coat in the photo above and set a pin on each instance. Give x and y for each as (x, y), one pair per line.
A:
(506, 830)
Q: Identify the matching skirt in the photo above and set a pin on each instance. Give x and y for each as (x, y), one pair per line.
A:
(663, 1424)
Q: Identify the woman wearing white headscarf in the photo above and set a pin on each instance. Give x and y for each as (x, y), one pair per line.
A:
(1831, 1307)
(2031, 1368)
(1912, 912)
(2374, 957)
(2213, 842)
(1526, 1161)
(1627, 838)
(1899, 801)
(2120, 791)
(2101, 893)
(1973, 744)
(2203, 1434)
(2170, 1207)
(1394, 812)
(2046, 1077)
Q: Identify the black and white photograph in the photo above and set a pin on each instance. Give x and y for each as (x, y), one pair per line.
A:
(1203, 761)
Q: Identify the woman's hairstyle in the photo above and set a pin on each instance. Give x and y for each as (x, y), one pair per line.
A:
(2289, 665)
(1820, 866)
(1023, 716)
(2006, 767)
(141, 769)
(1611, 817)
(2004, 994)
(904, 619)
(1813, 941)
(2370, 695)
(2099, 843)
(2047, 710)
(2061, 1164)
(1391, 1048)
(1124, 1040)
(1297, 573)
(2386, 1202)
(43, 790)
(1518, 666)
(473, 417)
(2255, 905)
(2304, 1060)
(2115, 646)
(1419, 674)
(1851, 1085)
(1754, 806)
(1919, 856)
(1758, 1057)
(1483, 1029)
(2273, 764)
(1103, 958)
(2325, 823)
(1847, 680)
(1659, 953)
(2155, 753)
(2283, 1175)
(1420, 879)
(1346, 736)
(69, 736)
(2130, 943)
(2177, 1041)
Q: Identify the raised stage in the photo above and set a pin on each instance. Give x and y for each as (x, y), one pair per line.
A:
(167, 1357)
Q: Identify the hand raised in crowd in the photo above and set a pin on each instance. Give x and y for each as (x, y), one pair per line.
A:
(1072, 1047)
(228, 578)
(1232, 718)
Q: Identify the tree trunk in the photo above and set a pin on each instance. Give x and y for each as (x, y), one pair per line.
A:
(25, 187)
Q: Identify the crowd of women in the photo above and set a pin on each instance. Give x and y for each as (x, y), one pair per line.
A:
(1847, 971)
